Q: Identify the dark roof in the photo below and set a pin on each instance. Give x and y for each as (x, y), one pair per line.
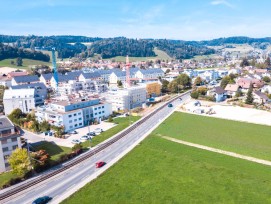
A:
(48, 76)
(261, 95)
(24, 79)
(5, 122)
(74, 74)
(152, 71)
(38, 85)
(219, 90)
(107, 71)
(91, 75)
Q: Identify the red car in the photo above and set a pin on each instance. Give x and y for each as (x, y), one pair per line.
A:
(100, 164)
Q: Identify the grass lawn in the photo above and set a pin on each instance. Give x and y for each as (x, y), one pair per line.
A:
(26, 63)
(5, 177)
(161, 171)
(52, 149)
(122, 124)
(243, 138)
(160, 55)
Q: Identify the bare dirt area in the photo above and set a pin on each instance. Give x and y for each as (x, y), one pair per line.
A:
(6, 70)
(231, 112)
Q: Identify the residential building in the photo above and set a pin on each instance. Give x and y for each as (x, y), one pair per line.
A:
(9, 141)
(46, 79)
(73, 112)
(29, 79)
(15, 74)
(149, 73)
(25, 99)
(231, 89)
(126, 98)
(266, 89)
(260, 97)
(40, 88)
(5, 81)
(218, 93)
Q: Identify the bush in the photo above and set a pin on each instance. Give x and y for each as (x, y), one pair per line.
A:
(110, 119)
(194, 94)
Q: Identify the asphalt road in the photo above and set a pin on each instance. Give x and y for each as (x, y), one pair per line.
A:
(61, 183)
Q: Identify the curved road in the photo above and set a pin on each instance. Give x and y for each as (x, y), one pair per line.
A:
(68, 181)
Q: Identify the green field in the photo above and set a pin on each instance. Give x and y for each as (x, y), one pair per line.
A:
(122, 122)
(160, 171)
(160, 55)
(243, 138)
(27, 63)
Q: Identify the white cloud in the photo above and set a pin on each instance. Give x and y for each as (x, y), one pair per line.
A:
(222, 2)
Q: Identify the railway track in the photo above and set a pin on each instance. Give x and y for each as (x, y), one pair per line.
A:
(86, 156)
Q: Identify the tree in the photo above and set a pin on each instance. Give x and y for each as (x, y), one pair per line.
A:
(266, 79)
(41, 160)
(198, 81)
(194, 94)
(119, 83)
(267, 62)
(45, 126)
(173, 86)
(77, 147)
(183, 80)
(249, 99)
(19, 61)
(244, 63)
(224, 82)
(167, 71)
(19, 162)
(202, 90)
(16, 115)
(165, 86)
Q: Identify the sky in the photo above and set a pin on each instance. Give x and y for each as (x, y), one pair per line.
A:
(171, 19)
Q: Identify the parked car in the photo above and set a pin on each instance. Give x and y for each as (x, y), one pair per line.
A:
(100, 164)
(170, 105)
(75, 141)
(91, 134)
(84, 138)
(73, 132)
(42, 200)
(98, 130)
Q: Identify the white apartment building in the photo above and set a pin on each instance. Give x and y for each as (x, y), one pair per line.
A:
(74, 112)
(9, 141)
(24, 99)
(126, 98)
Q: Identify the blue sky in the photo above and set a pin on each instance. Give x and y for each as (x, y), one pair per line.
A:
(174, 19)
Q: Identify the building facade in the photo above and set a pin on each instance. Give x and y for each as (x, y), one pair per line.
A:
(9, 141)
(24, 99)
(74, 113)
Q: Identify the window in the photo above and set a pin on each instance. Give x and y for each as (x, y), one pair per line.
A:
(6, 131)
(87, 116)
(4, 142)
(102, 106)
(71, 127)
(70, 116)
(99, 107)
(79, 113)
(80, 123)
(14, 147)
(80, 119)
(70, 121)
(95, 108)
(102, 111)
(75, 125)
(95, 113)
(6, 156)
(5, 149)
(6, 165)
(91, 115)
(74, 114)
(13, 139)
(99, 112)
(75, 120)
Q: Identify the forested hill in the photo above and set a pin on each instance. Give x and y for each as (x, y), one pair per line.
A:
(70, 46)
(233, 40)
(13, 52)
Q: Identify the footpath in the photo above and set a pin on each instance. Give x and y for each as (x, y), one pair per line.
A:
(211, 149)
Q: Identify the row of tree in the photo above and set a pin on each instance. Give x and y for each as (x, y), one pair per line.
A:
(7, 51)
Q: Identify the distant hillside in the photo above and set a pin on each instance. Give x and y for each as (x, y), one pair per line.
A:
(71, 46)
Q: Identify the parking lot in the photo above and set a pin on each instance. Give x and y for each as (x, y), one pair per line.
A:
(32, 137)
